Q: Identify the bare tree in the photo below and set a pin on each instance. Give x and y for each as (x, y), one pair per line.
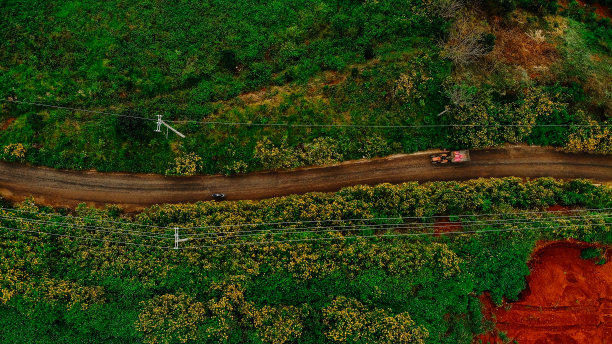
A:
(465, 43)
(446, 8)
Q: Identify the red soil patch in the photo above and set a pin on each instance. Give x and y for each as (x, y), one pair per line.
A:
(444, 225)
(600, 10)
(7, 123)
(568, 300)
(559, 209)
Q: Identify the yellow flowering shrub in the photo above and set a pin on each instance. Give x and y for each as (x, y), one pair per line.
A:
(229, 312)
(185, 165)
(347, 290)
(321, 151)
(591, 139)
(14, 152)
(272, 156)
(407, 85)
(67, 292)
(10, 280)
(486, 124)
(350, 321)
(171, 318)
(279, 324)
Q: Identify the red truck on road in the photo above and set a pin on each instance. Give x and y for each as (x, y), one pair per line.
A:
(453, 157)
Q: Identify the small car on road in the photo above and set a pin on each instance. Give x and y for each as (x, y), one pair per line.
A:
(218, 196)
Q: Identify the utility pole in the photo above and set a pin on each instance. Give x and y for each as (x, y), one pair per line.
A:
(159, 124)
(177, 238)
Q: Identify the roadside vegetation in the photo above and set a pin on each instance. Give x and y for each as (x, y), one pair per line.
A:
(353, 289)
(386, 63)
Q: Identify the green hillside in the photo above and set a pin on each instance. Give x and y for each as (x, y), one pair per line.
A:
(508, 66)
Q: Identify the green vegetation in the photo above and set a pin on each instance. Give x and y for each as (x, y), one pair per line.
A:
(398, 62)
(597, 254)
(354, 289)
(363, 265)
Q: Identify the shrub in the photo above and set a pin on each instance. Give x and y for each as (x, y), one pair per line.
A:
(130, 128)
(590, 253)
(279, 324)
(272, 157)
(322, 151)
(373, 146)
(229, 60)
(235, 167)
(171, 318)
(594, 138)
(407, 85)
(185, 165)
(494, 117)
(14, 152)
(260, 73)
(350, 321)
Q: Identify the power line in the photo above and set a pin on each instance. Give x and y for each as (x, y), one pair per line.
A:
(85, 227)
(382, 227)
(70, 217)
(398, 218)
(308, 230)
(75, 109)
(84, 218)
(80, 237)
(291, 240)
(413, 126)
(370, 236)
(366, 225)
(296, 125)
(322, 229)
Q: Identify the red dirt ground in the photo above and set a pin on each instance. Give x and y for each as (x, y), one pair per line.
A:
(568, 300)
(559, 209)
(8, 122)
(444, 225)
(601, 10)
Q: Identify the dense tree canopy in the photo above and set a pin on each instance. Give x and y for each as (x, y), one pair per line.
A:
(337, 279)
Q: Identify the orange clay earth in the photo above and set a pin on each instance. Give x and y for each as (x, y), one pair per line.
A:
(600, 9)
(568, 300)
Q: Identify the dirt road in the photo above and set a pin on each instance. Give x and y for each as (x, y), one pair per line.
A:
(134, 191)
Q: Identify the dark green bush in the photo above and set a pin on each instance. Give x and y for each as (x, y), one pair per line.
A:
(590, 253)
